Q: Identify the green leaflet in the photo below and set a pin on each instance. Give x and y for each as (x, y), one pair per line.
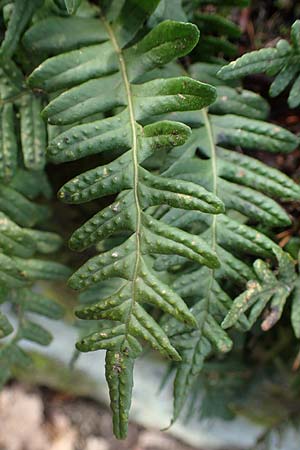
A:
(38, 269)
(216, 43)
(83, 95)
(8, 143)
(20, 109)
(34, 332)
(53, 35)
(233, 124)
(33, 132)
(253, 134)
(247, 103)
(20, 209)
(13, 355)
(13, 239)
(217, 24)
(119, 371)
(295, 297)
(46, 242)
(17, 273)
(283, 62)
(35, 303)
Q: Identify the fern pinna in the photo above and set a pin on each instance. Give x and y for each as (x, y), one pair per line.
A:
(23, 221)
(86, 76)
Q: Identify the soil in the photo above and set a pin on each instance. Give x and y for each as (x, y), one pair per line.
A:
(42, 419)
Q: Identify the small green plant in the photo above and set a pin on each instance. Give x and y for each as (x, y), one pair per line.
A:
(186, 211)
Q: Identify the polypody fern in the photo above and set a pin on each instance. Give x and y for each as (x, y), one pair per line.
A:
(189, 209)
(85, 76)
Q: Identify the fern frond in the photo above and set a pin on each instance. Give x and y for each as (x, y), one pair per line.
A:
(245, 185)
(18, 20)
(20, 108)
(218, 32)
(282, 62)
(217, 29)
(268, 292)
(19, 269)
(85, 76)
(20, 244)
(267, 289)
(194, 345)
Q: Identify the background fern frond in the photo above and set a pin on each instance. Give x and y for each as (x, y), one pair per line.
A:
(219, 32)
(23, 218)
(21, 267)
(246, 186)
(281, 62)
(20, 114)
(18, 19)
(268, 288)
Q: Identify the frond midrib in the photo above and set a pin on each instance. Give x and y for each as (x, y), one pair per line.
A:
(134, 150)
(213, 159)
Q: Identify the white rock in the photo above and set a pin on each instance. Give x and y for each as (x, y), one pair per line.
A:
(95, 443)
